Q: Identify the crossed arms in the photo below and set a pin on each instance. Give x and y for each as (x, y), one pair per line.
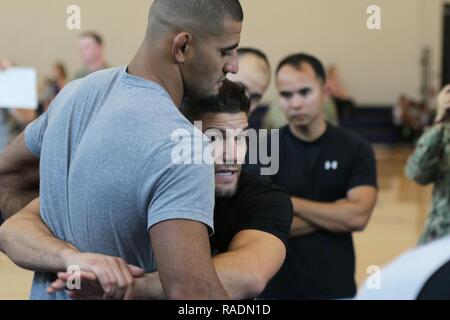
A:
(347, 215)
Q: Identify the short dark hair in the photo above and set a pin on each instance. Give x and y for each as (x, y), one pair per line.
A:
(232, 98)
(256, 52)
(208, 15)
(94, 35)
(296, 61)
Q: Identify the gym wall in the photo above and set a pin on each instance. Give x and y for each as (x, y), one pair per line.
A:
(376, 66)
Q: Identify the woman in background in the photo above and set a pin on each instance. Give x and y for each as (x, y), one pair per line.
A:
(55, 84)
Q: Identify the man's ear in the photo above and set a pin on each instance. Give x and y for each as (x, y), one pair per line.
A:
(326, 90)
(180, 47)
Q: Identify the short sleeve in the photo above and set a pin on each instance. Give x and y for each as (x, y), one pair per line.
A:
(270, 211)
(178, 191)
(364, 172)
(34, 134)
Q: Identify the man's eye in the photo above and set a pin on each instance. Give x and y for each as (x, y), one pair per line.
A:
(286, 95)
(304, 92)
(227, 53)
(214, 138)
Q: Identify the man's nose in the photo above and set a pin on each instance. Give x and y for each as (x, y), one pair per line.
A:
(230, 151)
(232, 66)
(297, 102)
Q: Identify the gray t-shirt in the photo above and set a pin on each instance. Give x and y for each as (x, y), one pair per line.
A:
(106, 171)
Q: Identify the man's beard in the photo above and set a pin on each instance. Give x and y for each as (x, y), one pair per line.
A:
(228, 193)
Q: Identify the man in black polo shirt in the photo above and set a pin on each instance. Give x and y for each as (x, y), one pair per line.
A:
(331, 176)
(252, 217)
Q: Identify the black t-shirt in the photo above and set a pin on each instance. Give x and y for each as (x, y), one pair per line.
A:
(257, 205)
(321, 265)
(438, 286)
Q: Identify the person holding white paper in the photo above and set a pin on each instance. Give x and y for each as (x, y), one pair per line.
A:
(12, 121)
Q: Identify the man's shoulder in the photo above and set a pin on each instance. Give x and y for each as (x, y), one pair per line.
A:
(83, 74)
(94, 82)
(348, 139)
(256, 187)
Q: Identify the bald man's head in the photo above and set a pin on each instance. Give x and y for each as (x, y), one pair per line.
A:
(194, 42)
(254, 74)
(201, 17)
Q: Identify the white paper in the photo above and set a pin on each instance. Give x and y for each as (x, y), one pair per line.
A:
(18, 88)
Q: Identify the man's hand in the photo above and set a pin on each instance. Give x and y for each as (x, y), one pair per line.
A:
(110, 274)
(90, 287)
(443, 101)
(147, 287)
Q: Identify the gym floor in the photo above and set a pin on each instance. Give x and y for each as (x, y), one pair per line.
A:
(394, 228)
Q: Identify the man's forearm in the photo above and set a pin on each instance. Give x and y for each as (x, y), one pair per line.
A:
(237, 283)
(335, 217)
(28, 242)
(301, 227)
(149, 287)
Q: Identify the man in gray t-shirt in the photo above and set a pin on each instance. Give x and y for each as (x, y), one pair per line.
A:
(114, 179)
(108, 185)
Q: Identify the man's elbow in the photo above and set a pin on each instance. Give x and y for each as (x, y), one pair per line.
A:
(359, 222)
(259, 279)
(257, 287)
(3, 236)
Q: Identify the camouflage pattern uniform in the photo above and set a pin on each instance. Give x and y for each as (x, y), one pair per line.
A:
(430, 163)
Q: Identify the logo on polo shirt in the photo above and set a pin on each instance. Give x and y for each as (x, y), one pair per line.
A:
(331, 165)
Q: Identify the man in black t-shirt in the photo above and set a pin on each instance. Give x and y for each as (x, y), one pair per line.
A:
(252, 216)
(331, 176)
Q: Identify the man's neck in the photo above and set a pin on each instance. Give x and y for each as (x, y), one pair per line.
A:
(148, 65)
(309, 133)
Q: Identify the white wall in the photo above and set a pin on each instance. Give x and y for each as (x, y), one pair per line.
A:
(376, 65)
